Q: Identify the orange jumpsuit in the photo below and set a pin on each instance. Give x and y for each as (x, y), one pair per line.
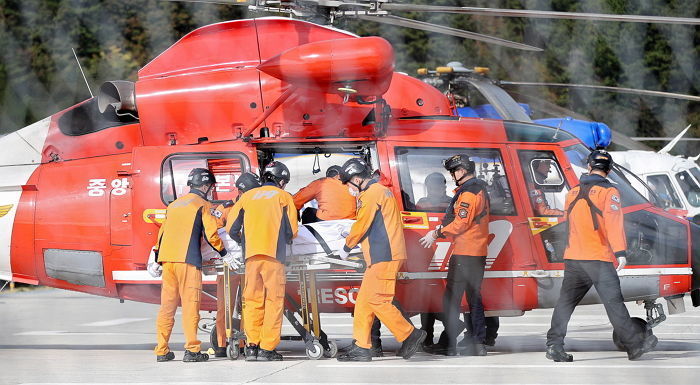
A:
(541, 206)
(334, 199)
(379, 229)
(178, 249)
(263, 221)
(220, 213)
(585, 241)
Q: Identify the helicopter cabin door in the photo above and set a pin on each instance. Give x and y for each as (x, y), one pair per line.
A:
(426, 190)
(160, 177)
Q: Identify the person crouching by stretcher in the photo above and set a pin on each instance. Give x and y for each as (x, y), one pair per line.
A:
(379, 228)
(334, 199)
(263, 222)
(247, 181)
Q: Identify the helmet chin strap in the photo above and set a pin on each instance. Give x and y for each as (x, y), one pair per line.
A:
(459, 182)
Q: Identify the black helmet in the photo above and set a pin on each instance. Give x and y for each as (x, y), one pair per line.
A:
(459, 160)
(333, 171)
(276, 172)
(354, 167)
(247, 181)
(200, 177)
(600, 160)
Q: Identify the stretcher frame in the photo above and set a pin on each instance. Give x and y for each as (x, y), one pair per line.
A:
(309, 329)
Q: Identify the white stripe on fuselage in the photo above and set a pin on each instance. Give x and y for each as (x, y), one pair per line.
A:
(20, 157)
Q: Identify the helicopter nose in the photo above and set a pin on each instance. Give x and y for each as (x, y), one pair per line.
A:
(19, 159)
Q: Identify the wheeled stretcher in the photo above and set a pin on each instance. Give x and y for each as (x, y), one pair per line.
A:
(311, 252)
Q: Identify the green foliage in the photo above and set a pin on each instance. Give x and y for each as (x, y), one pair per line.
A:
(114, 38)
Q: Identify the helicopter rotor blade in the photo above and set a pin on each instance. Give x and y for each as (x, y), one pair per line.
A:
(415, 24)
(244, 3)
(529, 13)
(623, 90)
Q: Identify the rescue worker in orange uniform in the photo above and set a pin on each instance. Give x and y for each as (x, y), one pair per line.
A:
(334, 199)
(263, 222)
(596, 239)
(467, 222)
(178, 259)
(539, 201)
(247, 181)
(379, 229)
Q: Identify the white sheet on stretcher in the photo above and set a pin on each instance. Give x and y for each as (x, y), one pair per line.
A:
(332, 232)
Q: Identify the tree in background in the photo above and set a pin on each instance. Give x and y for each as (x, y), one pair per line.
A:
(39, 76)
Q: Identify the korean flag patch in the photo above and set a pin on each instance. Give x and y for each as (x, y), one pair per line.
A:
(614, 207)
(615, 198)
(218, 213)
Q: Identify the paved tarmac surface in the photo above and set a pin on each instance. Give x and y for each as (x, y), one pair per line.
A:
(54, 336)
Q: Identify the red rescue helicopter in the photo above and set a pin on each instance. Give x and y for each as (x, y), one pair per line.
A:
(84, 191)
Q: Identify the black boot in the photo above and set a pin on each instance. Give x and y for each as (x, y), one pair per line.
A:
(251, 352)
(269, 355)
(377, 350)
(356, 353)
(219, 352)
(412, 343)
(195, 357)
(169, 356)
(474, 350)
(556, 353)
(645, 346)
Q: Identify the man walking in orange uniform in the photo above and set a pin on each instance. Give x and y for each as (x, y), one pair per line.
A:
(179, 252)
(467, 222)
(379, 229)
(263, 222)
(596, 238)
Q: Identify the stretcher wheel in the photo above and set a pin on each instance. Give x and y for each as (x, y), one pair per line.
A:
(232, 351)
(332, 350)
(643, 327)
(315, 352)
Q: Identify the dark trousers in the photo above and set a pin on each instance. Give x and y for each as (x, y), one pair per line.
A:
(465, 275)
(579, 276)
(492, 325)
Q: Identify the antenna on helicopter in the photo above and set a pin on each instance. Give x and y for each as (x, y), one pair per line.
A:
(81, 71)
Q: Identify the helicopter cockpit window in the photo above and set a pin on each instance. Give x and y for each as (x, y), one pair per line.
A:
(424, 181)
(527, 132)
(545, 182)
(689, 187)
(225, 167)
(661, 185)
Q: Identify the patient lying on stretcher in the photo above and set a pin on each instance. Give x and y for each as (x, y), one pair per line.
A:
(314, 238)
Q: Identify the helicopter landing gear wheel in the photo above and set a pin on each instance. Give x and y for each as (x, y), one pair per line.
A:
(641, 324)
(232, 351)
(315, 352)
(332, 350)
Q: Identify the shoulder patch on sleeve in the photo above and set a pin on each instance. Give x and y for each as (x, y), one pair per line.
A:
(464, 204)
(615, 198)
(534, 193)
(217, 213)
(462, 213)
(614, 207)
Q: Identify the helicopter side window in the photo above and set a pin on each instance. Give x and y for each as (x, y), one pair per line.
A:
(545, 182)
(689, 187)
(424, 180)
(226, 168)
(661, 185)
